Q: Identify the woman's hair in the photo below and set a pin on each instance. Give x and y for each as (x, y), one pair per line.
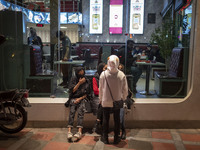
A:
(121, 67)
(100, 68)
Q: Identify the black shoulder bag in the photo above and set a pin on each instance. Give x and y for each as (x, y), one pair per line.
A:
(116, 104)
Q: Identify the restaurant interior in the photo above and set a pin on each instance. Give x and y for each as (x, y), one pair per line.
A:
(96, 29)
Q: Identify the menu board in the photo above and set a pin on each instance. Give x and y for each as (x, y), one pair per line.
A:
(136, 17)
(96, 15)
(116, 16)
(72, 17)
(42, 17)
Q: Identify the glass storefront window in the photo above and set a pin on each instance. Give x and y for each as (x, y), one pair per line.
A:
(91, 35)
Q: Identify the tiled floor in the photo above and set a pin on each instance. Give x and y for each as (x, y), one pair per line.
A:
(137, 139)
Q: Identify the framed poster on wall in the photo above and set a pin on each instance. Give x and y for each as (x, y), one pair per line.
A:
(136, 17)
(96, 15)
(116, 17)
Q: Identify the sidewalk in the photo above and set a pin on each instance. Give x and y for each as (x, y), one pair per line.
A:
(137, 139)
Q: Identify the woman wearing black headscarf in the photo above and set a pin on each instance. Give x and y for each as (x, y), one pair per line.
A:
(79, 89)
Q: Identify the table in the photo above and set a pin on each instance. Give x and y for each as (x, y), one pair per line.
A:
(74, 56)
(46, 55)
(73, 62)
(146, 92)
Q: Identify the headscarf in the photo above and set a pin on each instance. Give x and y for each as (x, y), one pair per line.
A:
(113, 63)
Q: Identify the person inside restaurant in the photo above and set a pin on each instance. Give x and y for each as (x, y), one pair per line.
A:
(153, 54)
(64, 55)
(34, 39)
(131, 67)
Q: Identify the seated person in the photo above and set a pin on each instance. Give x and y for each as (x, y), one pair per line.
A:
(33, 39)
(79, 90)
(153, 54)
(136, 51)
(98, 110)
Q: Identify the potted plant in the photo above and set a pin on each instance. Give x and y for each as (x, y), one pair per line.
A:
(164, 37)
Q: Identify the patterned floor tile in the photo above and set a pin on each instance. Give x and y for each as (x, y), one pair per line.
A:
(23, 132)
(76, 146)
(161, 135)
(60, 137)
(46, 136)
(143, 133)
(121, 144)
(32, 144)
(56, 146)
(163, 146)
(192, 147)
(89, 140)
(7, 140)
(139, 145)
(190, 137)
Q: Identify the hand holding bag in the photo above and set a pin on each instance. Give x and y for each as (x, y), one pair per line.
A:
(116, 104)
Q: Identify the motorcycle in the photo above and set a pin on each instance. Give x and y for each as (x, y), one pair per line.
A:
(13, 116)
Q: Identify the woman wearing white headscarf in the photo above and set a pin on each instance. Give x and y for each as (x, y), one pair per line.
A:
(118, 85)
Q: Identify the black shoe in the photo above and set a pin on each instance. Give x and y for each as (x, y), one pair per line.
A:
(104, 140)
(134, 90)
(123, 136)
(116, 140)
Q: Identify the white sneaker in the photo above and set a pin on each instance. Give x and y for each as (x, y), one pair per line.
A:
(78, 135)
(70, 135)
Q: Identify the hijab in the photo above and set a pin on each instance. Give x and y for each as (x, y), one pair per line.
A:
(113, 63)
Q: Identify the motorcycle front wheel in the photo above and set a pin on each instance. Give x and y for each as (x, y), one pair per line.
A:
(18, 119)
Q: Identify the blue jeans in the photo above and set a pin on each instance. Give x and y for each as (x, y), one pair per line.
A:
(136, 72)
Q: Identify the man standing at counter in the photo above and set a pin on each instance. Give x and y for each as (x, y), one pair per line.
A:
(129, 62)
(65, 56)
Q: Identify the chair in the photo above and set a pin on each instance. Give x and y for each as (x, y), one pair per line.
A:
(174, 82)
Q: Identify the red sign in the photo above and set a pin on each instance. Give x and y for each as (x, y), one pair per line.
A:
(39, 25)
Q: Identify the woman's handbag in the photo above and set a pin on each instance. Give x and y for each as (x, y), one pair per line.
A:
(67, 103)
(116, 104)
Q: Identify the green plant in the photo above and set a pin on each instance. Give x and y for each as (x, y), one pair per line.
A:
(164, 37)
